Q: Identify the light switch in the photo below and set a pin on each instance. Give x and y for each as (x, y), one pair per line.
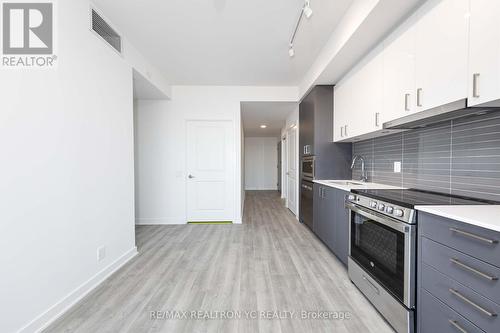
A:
(101, 253)
(397, 167)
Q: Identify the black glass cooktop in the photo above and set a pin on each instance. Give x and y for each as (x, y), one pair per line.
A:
(411, 198)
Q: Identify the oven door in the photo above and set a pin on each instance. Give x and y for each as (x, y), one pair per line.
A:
(385, 249)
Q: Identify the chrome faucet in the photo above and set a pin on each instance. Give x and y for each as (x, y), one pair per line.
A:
(364, 177)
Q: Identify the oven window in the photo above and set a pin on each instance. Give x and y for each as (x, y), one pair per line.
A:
(307, 167)
(379, 249)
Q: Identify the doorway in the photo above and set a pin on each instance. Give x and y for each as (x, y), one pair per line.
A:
(279, 167)
(291, 169)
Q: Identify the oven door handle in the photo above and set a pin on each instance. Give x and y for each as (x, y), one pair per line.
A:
(385, 220)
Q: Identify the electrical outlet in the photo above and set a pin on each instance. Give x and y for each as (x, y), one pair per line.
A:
(397, 167)
(101, 253)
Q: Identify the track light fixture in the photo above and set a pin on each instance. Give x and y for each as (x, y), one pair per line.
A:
(305, 11)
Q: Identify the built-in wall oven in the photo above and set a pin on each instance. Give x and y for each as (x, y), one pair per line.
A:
(382, 258)
(307, 168)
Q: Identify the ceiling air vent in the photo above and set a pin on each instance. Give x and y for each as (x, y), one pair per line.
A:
(104, 30)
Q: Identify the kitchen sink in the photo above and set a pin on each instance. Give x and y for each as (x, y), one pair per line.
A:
(345, 182)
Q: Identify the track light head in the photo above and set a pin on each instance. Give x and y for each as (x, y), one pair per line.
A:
(291, 51)
(307, 10)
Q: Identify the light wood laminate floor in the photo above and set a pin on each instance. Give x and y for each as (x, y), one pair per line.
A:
(269, 263)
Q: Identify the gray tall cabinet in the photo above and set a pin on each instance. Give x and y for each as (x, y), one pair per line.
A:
(316, 139)
(331, 161)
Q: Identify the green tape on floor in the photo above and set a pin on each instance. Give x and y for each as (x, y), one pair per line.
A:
(212, 222)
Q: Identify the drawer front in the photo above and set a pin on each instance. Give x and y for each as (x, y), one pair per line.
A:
(469, 271)
(476, 242)
(435, 316)
(476, 308)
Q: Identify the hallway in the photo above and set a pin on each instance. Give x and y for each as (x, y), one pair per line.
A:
(269, 263)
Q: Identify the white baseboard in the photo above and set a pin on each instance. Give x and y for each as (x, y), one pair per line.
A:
(53, 313)
(160, 221)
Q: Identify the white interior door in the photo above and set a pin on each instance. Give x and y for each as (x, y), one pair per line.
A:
(292, 169)
(210, 171)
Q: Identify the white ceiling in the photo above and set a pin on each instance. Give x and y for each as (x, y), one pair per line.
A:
(271, 114)
(225, 42)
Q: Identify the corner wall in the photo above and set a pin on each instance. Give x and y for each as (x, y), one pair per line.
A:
(162, 141)
(66, 137)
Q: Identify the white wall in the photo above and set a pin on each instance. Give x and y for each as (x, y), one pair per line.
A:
(161, 144)
(291, 120)
(242, 165)
(66, 137)
(261, 162)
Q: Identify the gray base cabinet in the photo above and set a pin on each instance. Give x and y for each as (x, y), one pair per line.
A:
(458, 277)
(331, 220)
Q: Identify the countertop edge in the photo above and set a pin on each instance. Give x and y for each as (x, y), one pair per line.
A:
(457, 213)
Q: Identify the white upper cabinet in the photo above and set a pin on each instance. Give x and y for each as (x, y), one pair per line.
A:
(358, 99)
(448, 50)
(484, 63)
(368, 95)
(342, 100)
(441, 53)
(399, 74)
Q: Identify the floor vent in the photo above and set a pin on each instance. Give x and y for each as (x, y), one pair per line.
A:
(103, 29)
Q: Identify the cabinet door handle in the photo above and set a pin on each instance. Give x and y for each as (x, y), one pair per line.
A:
(377, 119)
(474, 236)
(472, 269)
(342, 131)
(475, 85)
(419, 97)
(475, 305)
(345, 130)
(457, 326)
(407, 102)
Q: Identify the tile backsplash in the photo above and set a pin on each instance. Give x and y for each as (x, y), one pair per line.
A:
(460, 157)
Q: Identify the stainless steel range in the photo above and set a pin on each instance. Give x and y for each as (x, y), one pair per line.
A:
(382, 257)
(382, 248)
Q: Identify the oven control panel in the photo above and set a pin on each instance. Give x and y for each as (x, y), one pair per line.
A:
(404, 214)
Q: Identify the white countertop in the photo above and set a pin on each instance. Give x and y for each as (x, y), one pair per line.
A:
(485, 216)
(349, 187)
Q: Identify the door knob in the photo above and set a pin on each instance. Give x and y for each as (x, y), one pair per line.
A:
(190, 176)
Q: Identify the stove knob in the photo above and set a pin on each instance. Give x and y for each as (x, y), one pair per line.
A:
(381, 207)
(399, 212)
(351, 197)
(389, 209)
(373, 204)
